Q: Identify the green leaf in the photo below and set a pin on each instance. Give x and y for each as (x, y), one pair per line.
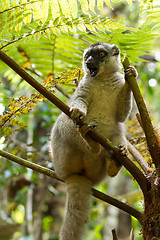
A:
(19, 14)
(73, 7)
(91, 5)
(108, 2)
(6, 4)
(100, 5)
(44, 13)
(37, 11)
(65, 8)
(27, 12)
(55, 8)
(84, 6)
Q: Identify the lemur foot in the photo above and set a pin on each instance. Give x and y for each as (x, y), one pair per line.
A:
(131, 71)
(112, 167)
(123, 150)
(83, 130)
(76, 114)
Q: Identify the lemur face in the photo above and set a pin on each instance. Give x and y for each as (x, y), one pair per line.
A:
(96, 58)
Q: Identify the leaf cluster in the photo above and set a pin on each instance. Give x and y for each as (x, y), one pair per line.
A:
(17, 108)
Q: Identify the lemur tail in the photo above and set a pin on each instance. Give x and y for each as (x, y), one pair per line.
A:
(78, 198)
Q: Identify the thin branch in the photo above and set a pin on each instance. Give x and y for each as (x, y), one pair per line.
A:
(46, 171)
(129, 165)
(139, 158)
(29, 164)
(152, 138)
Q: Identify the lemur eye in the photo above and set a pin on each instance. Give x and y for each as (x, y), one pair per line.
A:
(101, 54)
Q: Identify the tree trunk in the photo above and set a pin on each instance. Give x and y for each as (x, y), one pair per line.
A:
(151, 221)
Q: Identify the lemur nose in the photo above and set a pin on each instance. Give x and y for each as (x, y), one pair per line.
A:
(90, 61)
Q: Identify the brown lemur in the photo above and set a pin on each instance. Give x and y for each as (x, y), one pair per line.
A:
(103, 97)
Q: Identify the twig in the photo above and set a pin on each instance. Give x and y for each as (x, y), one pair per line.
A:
(106, 198)
(129, 165)
(114, 234)
(152, 138)
(138, 157)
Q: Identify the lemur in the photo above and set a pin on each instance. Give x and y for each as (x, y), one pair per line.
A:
(104, 98)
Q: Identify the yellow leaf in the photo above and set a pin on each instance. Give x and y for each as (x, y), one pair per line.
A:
(8, 130)
(26, 64)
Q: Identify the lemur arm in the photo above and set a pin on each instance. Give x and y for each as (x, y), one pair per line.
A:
(124, 103)
(79, 105)
(125, 100)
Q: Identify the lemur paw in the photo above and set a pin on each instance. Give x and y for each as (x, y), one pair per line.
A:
(83, 130)
(131, 71)
(123, 150)
(76, 114)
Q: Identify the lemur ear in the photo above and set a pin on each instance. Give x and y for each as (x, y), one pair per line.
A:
(115, 50)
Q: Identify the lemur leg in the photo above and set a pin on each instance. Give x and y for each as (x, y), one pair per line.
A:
(93, 145)
(112, 165)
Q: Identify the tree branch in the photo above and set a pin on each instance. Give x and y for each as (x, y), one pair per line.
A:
(152, 138)
(138, 157)
(46, 171)
(129, 165)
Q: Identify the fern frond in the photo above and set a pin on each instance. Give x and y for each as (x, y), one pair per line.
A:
(62, 26)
